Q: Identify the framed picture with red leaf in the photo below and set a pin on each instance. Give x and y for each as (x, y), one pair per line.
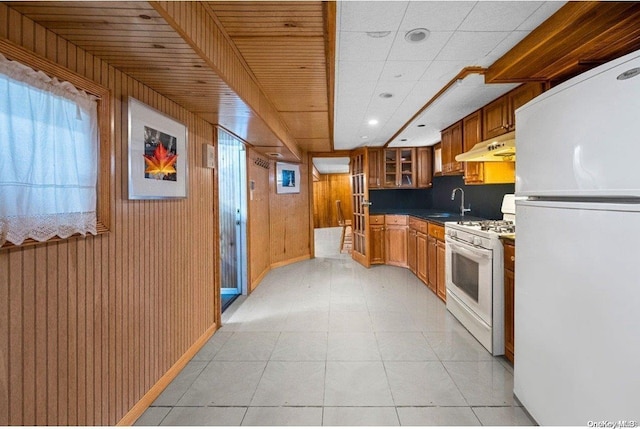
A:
(157, 154)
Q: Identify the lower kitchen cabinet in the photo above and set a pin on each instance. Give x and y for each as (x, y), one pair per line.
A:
(509, 300)
(396, 237)
(376, 237)
(436, 251)
(432, 257)
(441, 287)
(422, 257)
(411, 250)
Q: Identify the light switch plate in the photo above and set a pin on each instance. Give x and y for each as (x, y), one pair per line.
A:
(209, 155)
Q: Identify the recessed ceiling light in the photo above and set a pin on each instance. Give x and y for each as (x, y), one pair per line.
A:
(417, 35)
(397, 76)
(385, 95)
(373, 122)
(364, 137)
(421, 125)
(378, 34)
(273, 154)
(403, 140)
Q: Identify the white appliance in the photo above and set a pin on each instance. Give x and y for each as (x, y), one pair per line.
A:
(474, 275)
(577, 273)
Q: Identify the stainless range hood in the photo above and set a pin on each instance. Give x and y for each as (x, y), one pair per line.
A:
(502, 148)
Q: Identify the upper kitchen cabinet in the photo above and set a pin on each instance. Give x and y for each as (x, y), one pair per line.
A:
(375, 167)
(452, 146)
(424, 156)
(483, 173)
(498, 117)
(399, 165)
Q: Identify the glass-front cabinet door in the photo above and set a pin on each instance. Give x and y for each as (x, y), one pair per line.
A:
(399, 168)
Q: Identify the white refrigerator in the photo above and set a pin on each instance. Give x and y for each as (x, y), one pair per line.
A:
(577, 272)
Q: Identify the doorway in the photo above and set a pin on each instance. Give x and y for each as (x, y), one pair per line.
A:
(232, 203)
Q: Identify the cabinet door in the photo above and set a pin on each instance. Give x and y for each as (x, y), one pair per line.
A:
(445, 136)
(519, 97)
(495, 118)
(424, 173)
(375, 168)
(396, 245)
(432, 259)
(377, 244)
(509, 304)
(411, 250)
(437, 159)
(441, 286)
(422, 258)
(472, 134)
(406, 168)
(390, 168)
(456, 149)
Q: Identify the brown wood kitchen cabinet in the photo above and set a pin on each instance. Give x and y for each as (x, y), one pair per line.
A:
(424, 173)
(436, 256)
(509, 300)
(399, 167)
(375, 168)
(376, 237)
(417, 248)
(396, 233)
(411, 248)
(452, 146)
(498, 117)
(483, 173)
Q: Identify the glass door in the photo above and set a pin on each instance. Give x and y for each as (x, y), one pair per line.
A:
(232, 208)
(360, 207)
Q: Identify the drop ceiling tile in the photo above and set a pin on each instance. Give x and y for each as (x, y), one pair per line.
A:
(444, 70)
(360, 47)
(503, 47)
(498, 15)
(541, 15)
(470, 46)
(435, 15)
(356, 71)
(371, 16)
(360, 89)
(421, 51)
(402, 71)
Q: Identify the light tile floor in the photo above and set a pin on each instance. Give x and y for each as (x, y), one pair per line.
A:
(328, 342)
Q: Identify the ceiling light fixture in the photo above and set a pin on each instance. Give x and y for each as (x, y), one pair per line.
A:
(385, 95)
(273, 154)
(417, 35)
(373, 122)
(378, 34)
(364, 137)
(421, 125)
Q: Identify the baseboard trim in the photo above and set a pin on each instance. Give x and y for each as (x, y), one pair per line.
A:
(255, 283)
(290, 261)
(141, 406)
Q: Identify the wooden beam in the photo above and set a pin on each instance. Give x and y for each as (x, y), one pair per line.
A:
(577, 37)
(329, 16)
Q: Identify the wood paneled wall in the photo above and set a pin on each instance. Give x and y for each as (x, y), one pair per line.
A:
(289, 220)
(259, 260)
(89, 325)
(326, 191)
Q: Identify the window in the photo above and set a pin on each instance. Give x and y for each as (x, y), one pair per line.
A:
(52, 149)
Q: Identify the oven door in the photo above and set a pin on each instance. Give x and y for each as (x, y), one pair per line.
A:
(469, 276)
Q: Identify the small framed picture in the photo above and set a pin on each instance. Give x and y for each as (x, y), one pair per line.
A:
(287, 178)
(157, 154)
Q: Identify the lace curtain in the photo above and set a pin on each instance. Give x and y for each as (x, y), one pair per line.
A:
(48, 156)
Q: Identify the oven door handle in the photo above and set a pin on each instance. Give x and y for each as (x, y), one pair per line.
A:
(472, 253)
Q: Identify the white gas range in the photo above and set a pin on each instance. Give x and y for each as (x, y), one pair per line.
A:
(475, 275)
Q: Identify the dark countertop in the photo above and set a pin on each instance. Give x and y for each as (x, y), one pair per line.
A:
(431, 215)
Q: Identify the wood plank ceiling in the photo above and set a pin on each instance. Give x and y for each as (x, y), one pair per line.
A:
(284, 45)
(270, 90)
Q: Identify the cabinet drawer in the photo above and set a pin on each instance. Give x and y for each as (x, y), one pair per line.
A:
(509, 257)
(418, 224)
(436, 231)
(376, 220)
(395, 220)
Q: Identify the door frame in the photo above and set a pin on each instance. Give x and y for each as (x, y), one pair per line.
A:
(310, 156)
(363, 205)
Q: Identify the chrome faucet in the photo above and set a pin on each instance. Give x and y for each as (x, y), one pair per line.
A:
(462, 209)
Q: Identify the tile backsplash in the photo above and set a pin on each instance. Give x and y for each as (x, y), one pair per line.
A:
(485, 200)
